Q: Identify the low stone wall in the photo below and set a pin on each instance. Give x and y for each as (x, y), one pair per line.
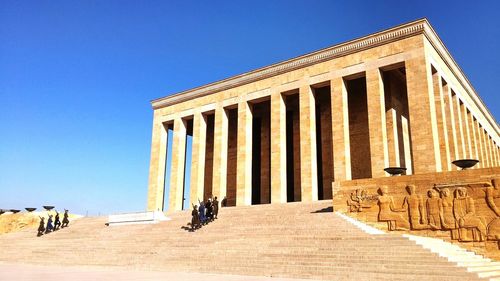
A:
(461, 206)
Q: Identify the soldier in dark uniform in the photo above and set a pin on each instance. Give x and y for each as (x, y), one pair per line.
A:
(49, 225)
(210, 210)
(216, 206)
(65, 221)
(57, 222)
(41, 227)
(195, 220)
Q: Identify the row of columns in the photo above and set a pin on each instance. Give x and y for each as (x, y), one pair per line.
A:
(441, 130)
(460, 133)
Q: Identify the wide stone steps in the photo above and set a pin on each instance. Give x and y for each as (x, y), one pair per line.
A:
(300, 240)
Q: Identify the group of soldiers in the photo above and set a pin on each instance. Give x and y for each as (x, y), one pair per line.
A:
(53, 225)
(206, 213)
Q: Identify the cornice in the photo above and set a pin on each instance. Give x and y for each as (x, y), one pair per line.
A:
(353, 46)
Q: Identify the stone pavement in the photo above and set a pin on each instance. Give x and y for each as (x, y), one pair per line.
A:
(25, 272)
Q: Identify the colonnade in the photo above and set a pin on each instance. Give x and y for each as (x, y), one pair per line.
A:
(402, 114)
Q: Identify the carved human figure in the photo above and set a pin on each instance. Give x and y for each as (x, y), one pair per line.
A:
(468, 223)
(415, 206)
(387, 212)
(355, 200)
(493, 193)
(432, 205)
(448, 221)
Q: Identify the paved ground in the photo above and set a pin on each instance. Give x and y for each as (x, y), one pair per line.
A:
(79, 273)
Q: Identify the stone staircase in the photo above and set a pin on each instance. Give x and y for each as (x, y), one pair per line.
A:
(297, 240)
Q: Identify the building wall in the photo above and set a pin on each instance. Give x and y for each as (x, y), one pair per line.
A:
(419, 120)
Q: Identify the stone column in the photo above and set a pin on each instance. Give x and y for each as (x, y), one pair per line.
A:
(219, 175)
(467, 132)
(494, 153)
(422, 109)
(479, 144)
(406, 144)
(198, 157)
(452, 129)
(393, 138)
(377, 123)
(473, 137)
(490, 149)
(497, 154)
(461, 137)
(157, 167)
(441, 122)
(485, 148)
(308, 154)
(244, 156)
(278, 148)
(340, 130)
(178, 165)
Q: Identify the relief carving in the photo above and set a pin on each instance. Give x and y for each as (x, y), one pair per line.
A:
(358, 200)
(416, 211)
(433, 204)
(388, 213)
(446, 208)
(470, 226)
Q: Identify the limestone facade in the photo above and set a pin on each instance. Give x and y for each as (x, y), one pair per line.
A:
(294, 130)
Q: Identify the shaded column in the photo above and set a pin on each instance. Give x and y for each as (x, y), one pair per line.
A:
(497, 154)
(308, 154)
(178, 159)
(392, 138)
(244, 157)
(278, 148)
(485, 147)
(422, 109)
(452, 129)
(198, 157)
(444, 148)
(340, 130)
(406, 143)
(467, 131)
(157, 167)
(377, 123)
(479, 144)
(473, 136)
(219, 175)
(490, 147)
(461, 130)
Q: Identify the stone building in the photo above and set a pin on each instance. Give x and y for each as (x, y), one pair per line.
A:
(293, 130)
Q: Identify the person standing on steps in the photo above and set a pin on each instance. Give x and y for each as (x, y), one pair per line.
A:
(203, 218)
(216, 207)
(65, 221)
(195, 218)
(57, 222)
(210, 210)
(50, 227)
(41, 227)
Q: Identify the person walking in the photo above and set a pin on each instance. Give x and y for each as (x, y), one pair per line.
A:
(216, 207)
(57, 222)
(65, 221)
(195, 218)
(203, 218)
(210, 210)
(41, 227)
(50, 227)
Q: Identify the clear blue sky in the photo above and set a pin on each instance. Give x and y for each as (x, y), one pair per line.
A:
(76, 77)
